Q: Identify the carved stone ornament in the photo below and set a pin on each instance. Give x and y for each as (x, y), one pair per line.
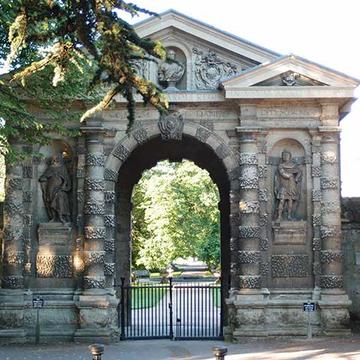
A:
(210, 70)
(328, 157)
(13, 257)
(95, 160)
(109, 245)
(290, 78)
(54, 266)
(94, 282)
(140, 66)
(316, 195)
(27, 196)
(263, 195)
(140, 135)
(109, 269)
(12, 282)
(316, 220)
(328, 256)
(329, 231)
(250, 282)
(262, 171)
(109, 197)
(249, 207)
(94, 208)
(92, 232)
(109, 221)
(249, 257)
(93, 257)
(171, 126)
(249, 178)
(290, 266)
(329, 183)
(264, 268)
(110, 175)
(316, 171)
(121, 152)
(330, 207)
(27, 172)
(94, 184)
(264, 244)
(316, 244)
(248, 159)
(247, 232)
(331, 281)
(15, 184)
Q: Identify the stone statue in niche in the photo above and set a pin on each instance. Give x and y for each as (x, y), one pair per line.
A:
(287, 186)
(171, 71)
(55, 185)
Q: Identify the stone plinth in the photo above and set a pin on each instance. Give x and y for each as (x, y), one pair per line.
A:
(54, 258)
(289, 232)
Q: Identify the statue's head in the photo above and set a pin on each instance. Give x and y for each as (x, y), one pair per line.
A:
(56, 161)
(171, 54)
(286, 155)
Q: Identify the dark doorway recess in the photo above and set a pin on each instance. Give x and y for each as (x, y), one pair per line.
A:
(147, 156)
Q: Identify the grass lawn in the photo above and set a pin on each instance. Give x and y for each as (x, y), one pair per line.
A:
(144, 297)
(216, 296)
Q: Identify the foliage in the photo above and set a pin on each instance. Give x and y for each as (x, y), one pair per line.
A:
(62, 51)
(175, 214)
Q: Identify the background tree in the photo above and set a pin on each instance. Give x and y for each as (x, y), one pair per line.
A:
(175, 214)
(62, 51)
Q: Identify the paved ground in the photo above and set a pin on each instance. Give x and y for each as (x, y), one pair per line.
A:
(317, 349)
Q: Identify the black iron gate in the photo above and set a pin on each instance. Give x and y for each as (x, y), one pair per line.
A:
(174, 310)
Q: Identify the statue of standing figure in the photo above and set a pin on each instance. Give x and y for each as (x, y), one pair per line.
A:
(287, 185)
(55, 185)
(171, 71)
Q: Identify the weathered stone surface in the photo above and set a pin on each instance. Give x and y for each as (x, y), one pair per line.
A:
(250, 282)
(249, 257)
(171, 126)
(249, 231)
(94, 184)
(54, 266)
(331, 281)
(110, 175)
(290, 266)
(121, 152)
(95, 160)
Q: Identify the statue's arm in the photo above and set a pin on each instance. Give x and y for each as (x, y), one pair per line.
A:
(283, 173)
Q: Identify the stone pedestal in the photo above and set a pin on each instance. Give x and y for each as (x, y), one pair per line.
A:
(54, 258)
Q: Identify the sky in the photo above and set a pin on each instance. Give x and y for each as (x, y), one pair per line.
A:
(323, 31)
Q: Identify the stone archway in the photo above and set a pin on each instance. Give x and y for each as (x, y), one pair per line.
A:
(142, 149)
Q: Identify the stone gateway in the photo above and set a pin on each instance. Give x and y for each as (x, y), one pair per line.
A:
(266, 128)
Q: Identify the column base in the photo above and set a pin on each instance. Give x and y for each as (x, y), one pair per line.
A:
(263, 313)
(97, 317)
(12, 316)
(334, 309)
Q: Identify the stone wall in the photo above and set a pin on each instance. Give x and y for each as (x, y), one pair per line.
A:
(351, 248)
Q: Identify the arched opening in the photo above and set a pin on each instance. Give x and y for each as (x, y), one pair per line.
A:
(147, 156)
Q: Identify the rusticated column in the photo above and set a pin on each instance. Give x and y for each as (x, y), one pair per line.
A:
(94, 209)
(330, 231)
(249, 231)
(13, 247)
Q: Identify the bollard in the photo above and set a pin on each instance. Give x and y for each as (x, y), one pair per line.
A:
(96, 350)
(219, 352)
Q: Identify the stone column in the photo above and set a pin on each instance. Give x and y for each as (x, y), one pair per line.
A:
(94, 210)
(13, 247)
(334, 302)
(97, 304)
(249, 231)
(12, 296)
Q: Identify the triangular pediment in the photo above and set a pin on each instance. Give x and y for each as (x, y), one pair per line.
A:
(290, 70)
(172, 22)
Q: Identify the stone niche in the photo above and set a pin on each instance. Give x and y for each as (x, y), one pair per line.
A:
(290, 256)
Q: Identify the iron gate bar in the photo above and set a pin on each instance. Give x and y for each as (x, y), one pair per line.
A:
(152, 311)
